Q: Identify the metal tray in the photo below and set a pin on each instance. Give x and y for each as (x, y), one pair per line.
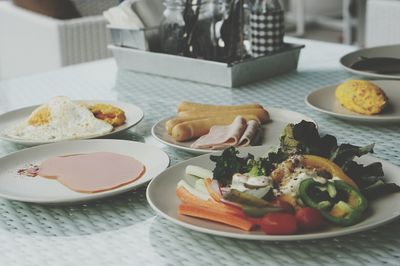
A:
(142, 39)
(210, 72)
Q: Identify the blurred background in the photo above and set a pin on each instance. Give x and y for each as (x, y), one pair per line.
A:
(43, 35)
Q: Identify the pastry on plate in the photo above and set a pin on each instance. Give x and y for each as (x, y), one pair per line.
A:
(361, 96)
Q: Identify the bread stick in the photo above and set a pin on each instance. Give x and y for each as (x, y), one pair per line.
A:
(260, 113)
(195, 128)
(191, 106)
(176, 120)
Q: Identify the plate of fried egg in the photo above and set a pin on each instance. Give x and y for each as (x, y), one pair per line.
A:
(63, 119)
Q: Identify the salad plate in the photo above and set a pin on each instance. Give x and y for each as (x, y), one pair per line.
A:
(270, 131)
(132, 112)
(161, 195)
(324, 100)
(389, 51)
(14, 186)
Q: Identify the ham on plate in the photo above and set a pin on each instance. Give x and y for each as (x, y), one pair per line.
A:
(239, 133)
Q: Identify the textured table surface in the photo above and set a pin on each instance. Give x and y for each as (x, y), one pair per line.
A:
(123, 230)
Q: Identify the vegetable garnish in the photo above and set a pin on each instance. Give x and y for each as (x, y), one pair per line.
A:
(228, 164)
(303, 138)
(337, 201)
(309, 181)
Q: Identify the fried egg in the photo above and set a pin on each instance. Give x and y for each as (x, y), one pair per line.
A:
(59, 119)
(111, 114)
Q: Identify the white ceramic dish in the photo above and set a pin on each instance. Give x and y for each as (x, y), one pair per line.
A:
(380, 51)
(271, 130)
(324, 100)
(162, 198)
(133, 116)
(42, 190)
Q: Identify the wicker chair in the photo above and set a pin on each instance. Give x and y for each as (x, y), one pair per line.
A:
(31, 42)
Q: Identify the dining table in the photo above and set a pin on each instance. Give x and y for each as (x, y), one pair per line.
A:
(124, 230)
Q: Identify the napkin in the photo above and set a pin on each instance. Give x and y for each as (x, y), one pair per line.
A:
(136, 14)
(123, 16)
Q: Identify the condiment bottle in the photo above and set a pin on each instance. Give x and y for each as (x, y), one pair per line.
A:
(267, 27)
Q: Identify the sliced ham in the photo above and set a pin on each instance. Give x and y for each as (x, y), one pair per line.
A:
(251, 134)
(220, 137)
(93, 172)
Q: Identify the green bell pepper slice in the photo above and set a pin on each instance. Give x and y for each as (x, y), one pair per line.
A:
(345, 207)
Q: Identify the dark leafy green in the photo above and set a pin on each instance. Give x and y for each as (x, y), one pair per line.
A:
(346, 153)
(363, 176)
(380, 188)
(228, 163)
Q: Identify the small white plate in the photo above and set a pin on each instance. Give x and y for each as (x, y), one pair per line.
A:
(42, 190)
(133, 116)
(380, 51)
(162, 198)
(270, 136)
(324, 100)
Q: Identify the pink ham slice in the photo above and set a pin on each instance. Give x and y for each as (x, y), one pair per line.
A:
(93, 172)
(251, 134)
(220, 137)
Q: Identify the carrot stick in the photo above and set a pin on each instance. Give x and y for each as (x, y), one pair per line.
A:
(216, 216)
(186, 197)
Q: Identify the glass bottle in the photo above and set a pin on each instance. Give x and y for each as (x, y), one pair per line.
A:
(188, 28)
(203, 41)
(247, 8)
(267, 27)
(172, 28)
(235, 31)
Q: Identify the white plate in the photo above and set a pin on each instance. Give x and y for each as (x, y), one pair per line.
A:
(162, 198)
(270, 136)
(381, 51)
(324, 100)
(133, 116)
(43, 190)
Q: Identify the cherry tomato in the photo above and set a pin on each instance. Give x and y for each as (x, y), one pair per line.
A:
(279, 223)
(309, 218)
(284, 205)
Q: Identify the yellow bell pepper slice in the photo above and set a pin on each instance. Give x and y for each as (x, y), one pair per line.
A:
(329, 166)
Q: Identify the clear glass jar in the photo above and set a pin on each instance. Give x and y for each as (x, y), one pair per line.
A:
(189, 28)
(236, 31)
(172, 28)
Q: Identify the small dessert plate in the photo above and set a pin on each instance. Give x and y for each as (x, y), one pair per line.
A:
(324, 100)
(388, 51)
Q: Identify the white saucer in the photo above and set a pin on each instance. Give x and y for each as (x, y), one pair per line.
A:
(381, 51)
(324, 100)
